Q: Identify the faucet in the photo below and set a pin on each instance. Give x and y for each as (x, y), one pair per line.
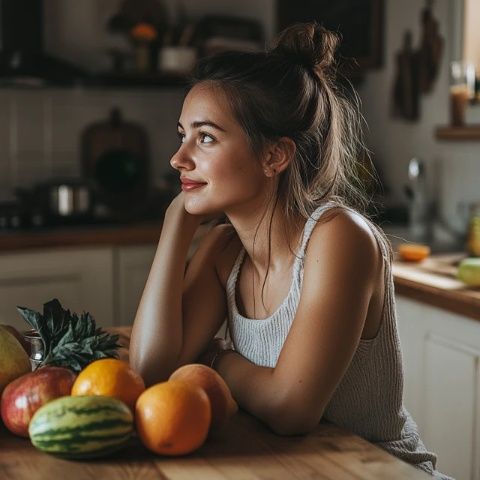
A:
(420, 225)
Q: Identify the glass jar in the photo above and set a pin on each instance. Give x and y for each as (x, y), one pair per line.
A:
(462, 89)
(36, 348)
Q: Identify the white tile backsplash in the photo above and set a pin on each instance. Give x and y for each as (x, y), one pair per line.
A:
(40, 130)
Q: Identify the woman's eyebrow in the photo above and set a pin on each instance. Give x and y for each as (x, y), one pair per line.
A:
(203, 123)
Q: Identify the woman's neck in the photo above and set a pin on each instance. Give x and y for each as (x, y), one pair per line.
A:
(266, 237)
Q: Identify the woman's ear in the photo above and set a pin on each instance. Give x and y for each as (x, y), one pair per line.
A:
(278, 156)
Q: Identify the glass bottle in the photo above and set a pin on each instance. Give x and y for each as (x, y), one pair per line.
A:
(473, 236)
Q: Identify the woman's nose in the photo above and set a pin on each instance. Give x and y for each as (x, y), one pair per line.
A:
(181, 159)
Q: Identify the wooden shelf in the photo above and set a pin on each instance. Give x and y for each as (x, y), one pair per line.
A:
(103, 80)
(468, 132)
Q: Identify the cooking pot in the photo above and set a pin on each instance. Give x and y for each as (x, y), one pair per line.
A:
(115, 159)
(67, 198)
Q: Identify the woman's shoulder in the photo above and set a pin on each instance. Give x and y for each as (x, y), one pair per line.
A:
(344, 231)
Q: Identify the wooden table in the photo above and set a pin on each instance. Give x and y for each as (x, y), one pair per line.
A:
(245, 450)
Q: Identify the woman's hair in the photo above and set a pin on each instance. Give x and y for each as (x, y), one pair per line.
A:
(292, 90)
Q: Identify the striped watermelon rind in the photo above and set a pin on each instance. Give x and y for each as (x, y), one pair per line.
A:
(79, 427)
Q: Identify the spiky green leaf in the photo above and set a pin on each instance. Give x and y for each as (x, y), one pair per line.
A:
(69, 339)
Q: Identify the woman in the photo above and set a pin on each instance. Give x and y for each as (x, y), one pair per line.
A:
(271, 141)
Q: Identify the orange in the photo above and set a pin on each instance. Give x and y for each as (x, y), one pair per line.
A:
(110, 377)
(413, 252)
(221, 401)
(173, 417)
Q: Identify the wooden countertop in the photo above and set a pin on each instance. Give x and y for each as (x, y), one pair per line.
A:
(245, 450)
(81, 236)
(433, 281)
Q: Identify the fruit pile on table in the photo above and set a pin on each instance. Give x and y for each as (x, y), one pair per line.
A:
(82, 402)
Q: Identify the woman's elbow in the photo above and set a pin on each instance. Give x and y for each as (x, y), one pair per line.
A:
(151, 372)
(285, 423)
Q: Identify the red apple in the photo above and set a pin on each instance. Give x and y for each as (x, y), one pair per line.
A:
(25, 395)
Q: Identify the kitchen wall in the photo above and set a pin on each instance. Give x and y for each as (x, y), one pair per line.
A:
(453, 168)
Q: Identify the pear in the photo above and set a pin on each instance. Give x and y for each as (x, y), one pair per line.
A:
(14, 361)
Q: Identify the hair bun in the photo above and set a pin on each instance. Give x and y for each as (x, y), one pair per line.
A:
(308, 44)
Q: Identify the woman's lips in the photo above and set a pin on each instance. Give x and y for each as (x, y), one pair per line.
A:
(188, 186)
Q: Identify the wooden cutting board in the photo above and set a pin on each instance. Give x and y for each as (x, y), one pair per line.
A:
(439, 271)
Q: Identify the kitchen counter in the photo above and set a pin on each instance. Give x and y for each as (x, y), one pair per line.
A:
(81, 236)
(433, 281)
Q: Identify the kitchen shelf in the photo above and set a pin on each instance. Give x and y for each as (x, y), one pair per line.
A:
(103, 80)
(468, 132)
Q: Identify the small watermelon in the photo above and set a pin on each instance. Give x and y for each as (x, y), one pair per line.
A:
(81, 427)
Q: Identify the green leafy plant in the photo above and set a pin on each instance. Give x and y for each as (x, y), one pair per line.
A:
(69, 340)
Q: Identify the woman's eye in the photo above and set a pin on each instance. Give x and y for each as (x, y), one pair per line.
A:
(206, 138)
(181, 136)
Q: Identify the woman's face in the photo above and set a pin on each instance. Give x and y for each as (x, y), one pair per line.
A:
(218, 169)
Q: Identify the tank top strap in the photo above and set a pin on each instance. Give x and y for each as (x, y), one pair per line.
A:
(232, 278)
(310, 224)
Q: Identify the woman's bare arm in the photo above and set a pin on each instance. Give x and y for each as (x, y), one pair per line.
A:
(156, 338)
(180, 311)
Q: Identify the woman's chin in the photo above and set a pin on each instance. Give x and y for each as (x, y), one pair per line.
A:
(195, 208)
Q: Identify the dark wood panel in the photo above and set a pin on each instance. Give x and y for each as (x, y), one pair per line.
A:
(359, 21)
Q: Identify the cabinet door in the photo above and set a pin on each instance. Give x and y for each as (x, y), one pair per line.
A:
(81, 279)
(410, 319)
(132, 265)
(442, 383)
(449, 404)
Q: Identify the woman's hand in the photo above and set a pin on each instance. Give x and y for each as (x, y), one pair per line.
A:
(216, 347)
(176, 210)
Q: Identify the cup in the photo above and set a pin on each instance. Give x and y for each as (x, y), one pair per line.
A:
(462, 89)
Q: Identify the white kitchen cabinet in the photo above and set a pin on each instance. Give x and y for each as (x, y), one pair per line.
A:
(107, 282)
(81, 279)
(132, 265)
(441, 353)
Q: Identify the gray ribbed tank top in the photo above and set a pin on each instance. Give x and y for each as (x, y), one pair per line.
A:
(368, 400)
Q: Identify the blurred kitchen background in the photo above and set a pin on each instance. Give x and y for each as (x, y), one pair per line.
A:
(91, 91)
